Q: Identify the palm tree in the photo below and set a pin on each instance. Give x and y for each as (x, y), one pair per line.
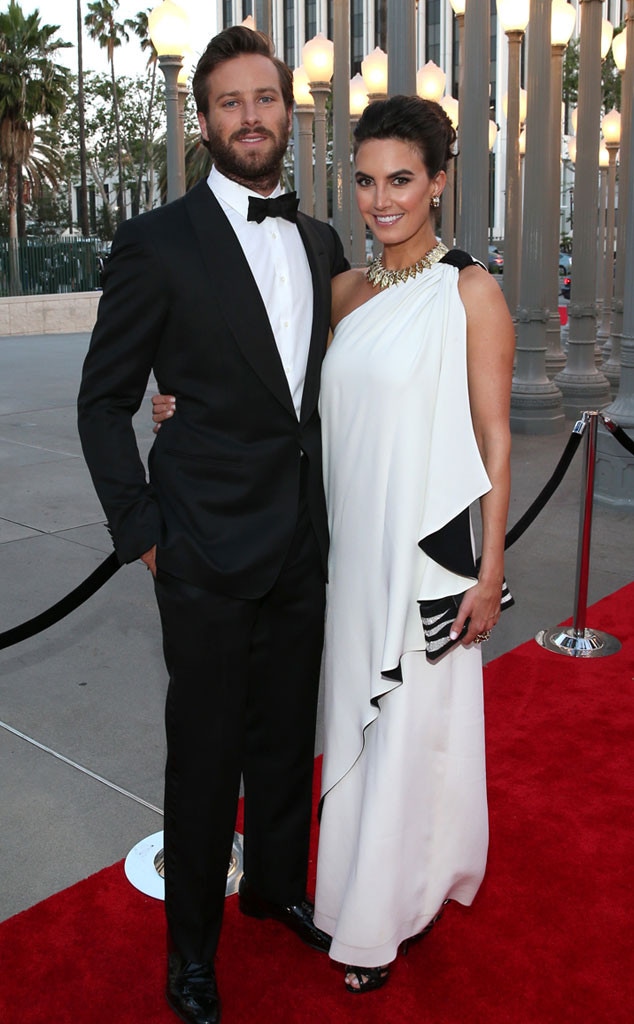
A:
(109, 33)
(32, 85)
(81, 108)
(139, 25)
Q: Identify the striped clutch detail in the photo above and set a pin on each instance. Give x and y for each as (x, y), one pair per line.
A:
(437, 618)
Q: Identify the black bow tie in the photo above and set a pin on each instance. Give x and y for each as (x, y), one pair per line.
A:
(282, 206)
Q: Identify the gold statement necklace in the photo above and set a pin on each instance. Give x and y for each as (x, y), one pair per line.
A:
(379, 275)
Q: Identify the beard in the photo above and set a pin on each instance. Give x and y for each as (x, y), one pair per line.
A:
(249, 167)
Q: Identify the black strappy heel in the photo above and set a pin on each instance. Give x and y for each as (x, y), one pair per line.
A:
(369, 978)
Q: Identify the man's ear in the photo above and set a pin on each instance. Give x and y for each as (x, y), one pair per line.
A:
(203, 125)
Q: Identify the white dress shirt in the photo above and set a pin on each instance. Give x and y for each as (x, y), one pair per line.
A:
(278, 262)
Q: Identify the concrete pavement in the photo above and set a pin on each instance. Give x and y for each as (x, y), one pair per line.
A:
(88, 693)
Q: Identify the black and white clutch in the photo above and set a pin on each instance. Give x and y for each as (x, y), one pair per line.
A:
(437, 617)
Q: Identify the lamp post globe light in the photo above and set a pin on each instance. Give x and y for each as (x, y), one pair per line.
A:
(611, 128)
(318, 60)
(562, 22)
(430, 82)
(513, 16)
(169, 30)
(583, 385)
(374, 73)
(303, 149)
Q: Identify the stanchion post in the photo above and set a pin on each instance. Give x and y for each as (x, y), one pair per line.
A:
(576, 640)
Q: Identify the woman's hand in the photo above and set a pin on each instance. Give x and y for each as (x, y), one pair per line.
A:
(481, 605)
(163, 407)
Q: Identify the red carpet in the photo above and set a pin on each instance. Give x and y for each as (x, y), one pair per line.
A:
(549, 939)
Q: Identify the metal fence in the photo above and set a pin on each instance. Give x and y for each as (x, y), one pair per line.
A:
(46, 266)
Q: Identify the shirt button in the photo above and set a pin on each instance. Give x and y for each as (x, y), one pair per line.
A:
(283, 279)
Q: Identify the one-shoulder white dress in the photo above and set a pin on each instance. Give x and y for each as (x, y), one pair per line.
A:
(404, 816)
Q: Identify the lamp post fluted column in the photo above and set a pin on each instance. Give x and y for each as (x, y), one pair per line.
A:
(555, 358)
(474, 120)
(512, 198)
(612, 365)
(458, 7)
(401, 48)
(615, 467)
(171, 65)
(341, 124)
(535, 401)
(584, 386)
(264, 16)
(320, 92)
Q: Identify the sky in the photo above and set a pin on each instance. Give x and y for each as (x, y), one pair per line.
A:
(129, 59)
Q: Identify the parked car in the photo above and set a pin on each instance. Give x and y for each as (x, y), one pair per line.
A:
(564, 286)
(496, 261)
(565, 262)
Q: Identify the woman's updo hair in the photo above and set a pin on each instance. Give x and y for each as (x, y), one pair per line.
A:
(421, 123)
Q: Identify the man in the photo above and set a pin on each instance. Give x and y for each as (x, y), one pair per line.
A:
(232, 315)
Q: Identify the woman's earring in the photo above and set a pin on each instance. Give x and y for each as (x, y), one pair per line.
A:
(435, 201)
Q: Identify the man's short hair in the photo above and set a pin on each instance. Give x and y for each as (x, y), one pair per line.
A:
(234, 42)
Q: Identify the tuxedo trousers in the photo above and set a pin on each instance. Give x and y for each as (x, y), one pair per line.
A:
(241, 702)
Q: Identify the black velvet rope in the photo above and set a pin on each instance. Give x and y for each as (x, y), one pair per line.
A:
(110, 565)
(67, 604)
(618, 433)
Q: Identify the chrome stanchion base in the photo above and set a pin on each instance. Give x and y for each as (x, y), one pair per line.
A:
(144, 866)
(578, 643)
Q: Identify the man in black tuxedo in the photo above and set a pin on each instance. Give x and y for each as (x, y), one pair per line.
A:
(228, 302)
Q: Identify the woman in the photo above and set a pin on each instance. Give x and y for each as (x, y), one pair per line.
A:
(415, 423)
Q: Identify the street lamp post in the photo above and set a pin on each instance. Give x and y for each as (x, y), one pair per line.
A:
(615, 467)
(401, 42)
(318, 59)
(341, 124)
(535, 400)
(513, 15)
(458, 7)
(620, 47)
(603, 311)
(303, 148)
(611, 126)
(448, 221)
(474, 108)
(358, 103)
(584, 386)
(563, 17)
(169, 31)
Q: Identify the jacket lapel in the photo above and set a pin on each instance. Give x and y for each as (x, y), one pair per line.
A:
(236, 291)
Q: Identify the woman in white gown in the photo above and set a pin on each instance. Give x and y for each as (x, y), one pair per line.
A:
(415, 423)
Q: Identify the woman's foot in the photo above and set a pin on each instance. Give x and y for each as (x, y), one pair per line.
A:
(365, 979)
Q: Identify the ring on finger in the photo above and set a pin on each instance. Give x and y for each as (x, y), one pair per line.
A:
(482, 637)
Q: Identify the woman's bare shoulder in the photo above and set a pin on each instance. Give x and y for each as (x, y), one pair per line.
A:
(349, 290)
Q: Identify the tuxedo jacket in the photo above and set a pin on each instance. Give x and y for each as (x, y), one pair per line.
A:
(179, 298)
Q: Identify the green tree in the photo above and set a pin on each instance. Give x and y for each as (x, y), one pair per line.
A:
(109, 33)
(139, 25)
(81, 122)
(32, 86)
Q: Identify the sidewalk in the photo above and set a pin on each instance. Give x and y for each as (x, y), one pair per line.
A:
(92, 687)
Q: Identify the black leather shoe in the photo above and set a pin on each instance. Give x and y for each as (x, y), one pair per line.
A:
(191, 991)
(299, 918)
